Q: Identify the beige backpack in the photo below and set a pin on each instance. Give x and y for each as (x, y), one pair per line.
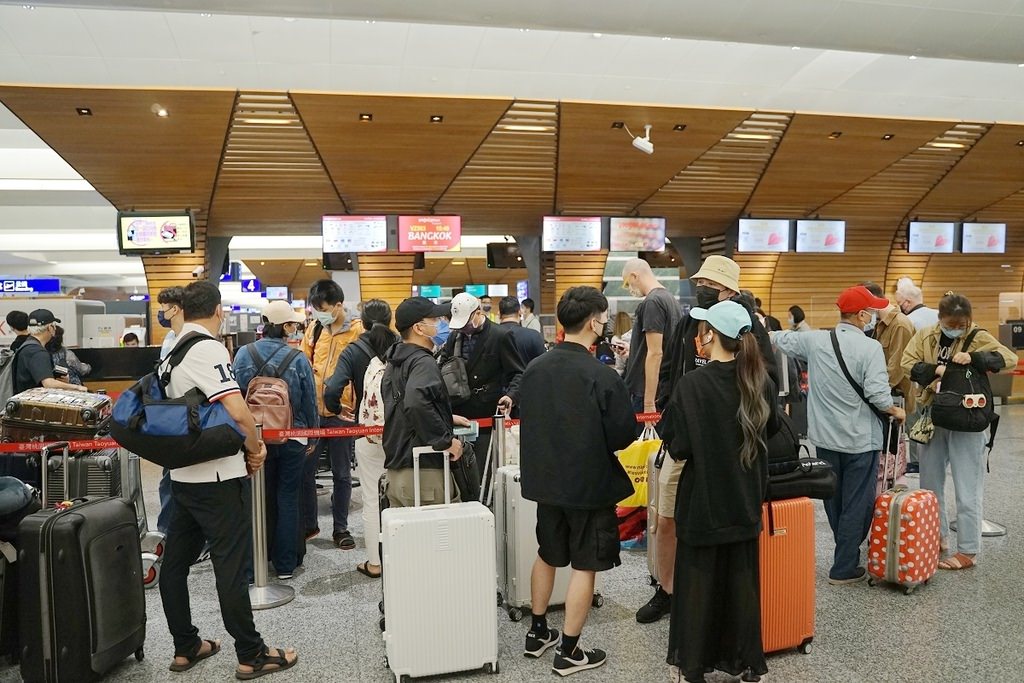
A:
(267, 395)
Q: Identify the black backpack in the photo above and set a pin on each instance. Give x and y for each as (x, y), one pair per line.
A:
(959, 381)
(784, 448)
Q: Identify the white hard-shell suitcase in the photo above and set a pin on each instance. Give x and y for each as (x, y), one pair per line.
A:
(439, 585)
(516, 519)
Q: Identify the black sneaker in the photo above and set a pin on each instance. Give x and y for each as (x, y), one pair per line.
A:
(536, 647)
(581, 660)
(344, 540)
(656, 608)
(750, 677)
(860, 575)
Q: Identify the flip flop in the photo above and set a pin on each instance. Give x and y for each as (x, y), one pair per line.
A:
(958, 561)
(197, 657)
(364, 569)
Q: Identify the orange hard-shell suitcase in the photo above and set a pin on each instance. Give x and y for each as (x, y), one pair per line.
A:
(903, 546)
(787, 575)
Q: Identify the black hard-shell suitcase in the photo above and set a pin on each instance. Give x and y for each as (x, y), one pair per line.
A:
(81, 607)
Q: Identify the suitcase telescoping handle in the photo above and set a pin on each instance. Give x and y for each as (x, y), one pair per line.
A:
(44, 466)
(416, 453)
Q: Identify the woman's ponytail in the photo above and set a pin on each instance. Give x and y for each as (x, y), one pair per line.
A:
(754, 411)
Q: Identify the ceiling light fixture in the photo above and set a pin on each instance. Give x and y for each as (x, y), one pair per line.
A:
(752, 136)
(1020, 143)
(835, 135)
(618, 124)
(912, 57)
(947, 145)
(270, 122)
(644, 143)
(598, 35)
(524, 30)
(369, 21)
(795, 47)
(207, 15)
(159, 110)
(366, 117)
(83, 111)
(679, 127)
(527, 129)
(28, 7)
(289, 19)
(665, 38)
(263, 263)
(458, 263)
(310, 263)
(888, 136)
(436, 118)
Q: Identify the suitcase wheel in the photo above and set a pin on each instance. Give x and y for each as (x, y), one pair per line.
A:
(805, 647)
(515, 614)
(13, 405)
(87, 415)
(381, 624)
(152, 577)
(491, 668)
(871, 582)
(907, 590)
(140, 654)
(380, 606)
(501, 600)
(598, 600)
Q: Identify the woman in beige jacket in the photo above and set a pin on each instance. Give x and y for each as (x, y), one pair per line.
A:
(926, 357)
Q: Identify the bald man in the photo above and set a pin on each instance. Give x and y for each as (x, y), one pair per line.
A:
(655, 319)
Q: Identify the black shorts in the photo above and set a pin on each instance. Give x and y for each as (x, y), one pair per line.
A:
(586, 539)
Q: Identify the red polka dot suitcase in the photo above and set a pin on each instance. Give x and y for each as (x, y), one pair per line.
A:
(903, 547)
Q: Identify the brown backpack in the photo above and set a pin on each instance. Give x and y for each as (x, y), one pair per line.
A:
(267, 395)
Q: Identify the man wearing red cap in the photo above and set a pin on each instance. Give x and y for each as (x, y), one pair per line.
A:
(847, 398)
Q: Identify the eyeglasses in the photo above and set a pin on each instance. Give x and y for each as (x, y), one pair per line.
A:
(974, 401)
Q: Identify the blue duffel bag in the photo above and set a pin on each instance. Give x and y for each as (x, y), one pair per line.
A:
(173, 432)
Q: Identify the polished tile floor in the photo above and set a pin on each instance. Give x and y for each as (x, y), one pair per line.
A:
(964, 626)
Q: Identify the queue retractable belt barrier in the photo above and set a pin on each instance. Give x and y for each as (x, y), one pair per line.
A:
(314, 433)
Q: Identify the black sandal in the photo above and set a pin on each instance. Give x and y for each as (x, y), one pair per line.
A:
(260, 662)
(364, 569)
(196, 656)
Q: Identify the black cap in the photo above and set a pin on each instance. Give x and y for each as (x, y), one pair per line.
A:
(41, 316)
(415, 309)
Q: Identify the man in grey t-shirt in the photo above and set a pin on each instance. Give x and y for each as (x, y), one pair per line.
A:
(655, 319)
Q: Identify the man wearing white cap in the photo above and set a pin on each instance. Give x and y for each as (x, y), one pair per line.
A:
(717, 280)
(493, 364)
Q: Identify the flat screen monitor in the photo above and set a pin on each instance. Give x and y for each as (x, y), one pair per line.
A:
(504, 255)
(476, 290)
(357, 234)
(637, 234)
(277, 293)
(429, 233)
(497, 290)
(823, 237)
(571, 233)
(984, 238)
(763, 235)
(430, 291)
(522, 290)
(930, 238)
(154, 233)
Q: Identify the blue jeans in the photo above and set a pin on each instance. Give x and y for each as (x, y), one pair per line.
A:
(849, 510)
(340, 453)
(965, 453)
(163, 520)
(283, 479)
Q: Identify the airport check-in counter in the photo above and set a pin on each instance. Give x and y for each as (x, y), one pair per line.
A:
(118, 368)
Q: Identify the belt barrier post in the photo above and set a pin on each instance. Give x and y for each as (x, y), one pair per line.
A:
(262, 595)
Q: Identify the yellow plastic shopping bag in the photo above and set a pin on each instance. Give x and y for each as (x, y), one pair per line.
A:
(634, 460)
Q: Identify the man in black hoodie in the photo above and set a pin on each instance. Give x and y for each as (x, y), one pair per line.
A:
(417, 411)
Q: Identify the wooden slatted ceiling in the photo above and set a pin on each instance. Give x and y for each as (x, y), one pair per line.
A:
(296, 274)
(707, 196)
(599, 172)
(172, 271)
(464, 271)
(509, 182)
(271, 179)
(131, 156)
(399, 162)
(577, 270)
(809, 169)
(386, 276)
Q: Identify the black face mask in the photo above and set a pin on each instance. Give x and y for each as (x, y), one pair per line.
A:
(706, 296)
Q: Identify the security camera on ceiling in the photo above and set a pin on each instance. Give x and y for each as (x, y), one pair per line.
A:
(644, 143)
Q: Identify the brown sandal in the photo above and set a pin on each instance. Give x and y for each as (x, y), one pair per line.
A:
(364, 569)
(196, 656)
(266, 663)
(958, 561)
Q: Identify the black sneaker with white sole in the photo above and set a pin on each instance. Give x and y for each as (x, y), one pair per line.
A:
(536, 646)
(580, 660)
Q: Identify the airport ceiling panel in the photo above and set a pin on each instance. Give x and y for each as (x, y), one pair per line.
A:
(897, 190)
(457, 272)
(510, 180)
(992, 171)
(821, 157)
(710, 193)
(296, 274)
(392, 154)
(271, 180)
(124, 147)
(600, 172)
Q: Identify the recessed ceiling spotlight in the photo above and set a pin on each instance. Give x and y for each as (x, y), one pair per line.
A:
(1020, 66)
(665, 38)
(83, 111)
(263, 263)
(366, 117)
(680, 127)
(1020, 143)
(310, 263)
(618, 124)
(524, 30)
(888, 136)
(795, 47)
(207, 15)
(159, 110)
(458, 263)
(835, 135)
(28, 7)
(912, 57)
(289, 19)
(370, 21)
(436, 118)
(598, 35)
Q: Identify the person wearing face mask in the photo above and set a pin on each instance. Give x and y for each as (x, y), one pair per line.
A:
(576, 414)
(272, 357)
(722, 416)
(170, 317)
(33, 365)
(323, 345)
(893, 330)
(717, 280)
(955, 340)
(488, 308)
(844, 427)
(493, 364)
(910, 299)
(798, 320)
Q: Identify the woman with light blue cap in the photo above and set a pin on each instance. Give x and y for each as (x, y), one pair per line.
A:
(720, 417)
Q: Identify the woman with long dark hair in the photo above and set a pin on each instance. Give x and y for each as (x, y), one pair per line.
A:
(351, 368)
(720, 417)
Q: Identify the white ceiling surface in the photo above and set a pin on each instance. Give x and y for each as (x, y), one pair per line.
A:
(987, 30)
